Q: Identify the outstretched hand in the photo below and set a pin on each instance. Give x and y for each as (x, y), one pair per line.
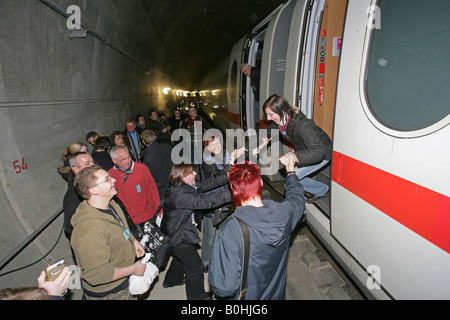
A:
(236, 154)
(289, 160)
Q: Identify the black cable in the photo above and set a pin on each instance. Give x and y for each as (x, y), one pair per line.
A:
(29, 265)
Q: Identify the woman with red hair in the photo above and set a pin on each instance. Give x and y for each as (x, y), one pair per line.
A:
(270, 225)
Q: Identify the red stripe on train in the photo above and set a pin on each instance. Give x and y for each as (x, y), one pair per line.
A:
(421, 210)
(234, 117)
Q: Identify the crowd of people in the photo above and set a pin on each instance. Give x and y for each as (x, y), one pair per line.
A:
(129, 179)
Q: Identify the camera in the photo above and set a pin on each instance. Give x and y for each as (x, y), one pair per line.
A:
(54, 269)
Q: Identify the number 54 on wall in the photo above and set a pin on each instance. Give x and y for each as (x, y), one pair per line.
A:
(19, 167)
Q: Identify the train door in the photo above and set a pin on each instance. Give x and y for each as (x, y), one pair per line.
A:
(251, 105)
(273, 66)
(234, 95)
(391, 161)
(312, 65)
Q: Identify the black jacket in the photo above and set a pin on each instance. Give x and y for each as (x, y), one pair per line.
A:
(182, 200)
(157, 157)
(311, 144)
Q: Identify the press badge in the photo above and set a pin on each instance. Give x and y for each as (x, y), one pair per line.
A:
(138, 188)
(127, 234)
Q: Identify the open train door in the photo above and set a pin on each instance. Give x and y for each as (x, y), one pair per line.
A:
(276, 43)
(391, 163)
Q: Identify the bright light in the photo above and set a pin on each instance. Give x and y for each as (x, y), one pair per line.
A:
(214, 92)
(166, 90)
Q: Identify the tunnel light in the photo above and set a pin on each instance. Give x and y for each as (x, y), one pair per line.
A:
(214, 92)
(166, 90)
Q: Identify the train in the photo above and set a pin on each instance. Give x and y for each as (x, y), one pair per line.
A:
(372, 75)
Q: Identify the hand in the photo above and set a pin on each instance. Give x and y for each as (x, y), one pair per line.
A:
(139, 268)
(140, 250)
(257, 149)
(57, 287)
(266, 140)
(236, 154)
(289, 160)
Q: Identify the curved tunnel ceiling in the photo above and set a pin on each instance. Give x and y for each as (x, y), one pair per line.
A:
(192, 36)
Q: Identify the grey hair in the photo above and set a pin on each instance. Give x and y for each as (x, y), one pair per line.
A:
(113, 151)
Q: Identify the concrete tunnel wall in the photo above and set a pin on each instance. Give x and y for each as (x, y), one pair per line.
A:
(53, 90)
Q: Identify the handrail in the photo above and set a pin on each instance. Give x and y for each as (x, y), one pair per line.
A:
(30, 238)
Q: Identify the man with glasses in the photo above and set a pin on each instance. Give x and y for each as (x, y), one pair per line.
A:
(104, 248)
(135, 186)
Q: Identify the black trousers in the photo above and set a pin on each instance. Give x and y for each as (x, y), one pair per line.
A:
(186, 263)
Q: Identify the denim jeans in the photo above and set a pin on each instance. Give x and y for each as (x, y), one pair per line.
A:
(312, 186)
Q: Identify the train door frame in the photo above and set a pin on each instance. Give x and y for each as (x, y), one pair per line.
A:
(300, 64)
(252, 55)
(307, 81)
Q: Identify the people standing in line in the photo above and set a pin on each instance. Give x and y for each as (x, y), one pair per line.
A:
(141, 123)
(312, 146)
(157, 156)
(100, 155)
(72, 199)
(183, 197)
(133, 138)
(117, 139)
(64, 169)
(159, 126)
(216, 161)
(176, 121)
(196, 127)
(91, 137)
(270, 225)
(135, 186)
(103, 245)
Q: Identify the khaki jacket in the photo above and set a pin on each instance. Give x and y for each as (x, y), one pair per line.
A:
(101, 244)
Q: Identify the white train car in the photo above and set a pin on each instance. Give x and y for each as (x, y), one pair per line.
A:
(373, 75)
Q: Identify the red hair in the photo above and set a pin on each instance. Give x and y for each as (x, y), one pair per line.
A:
(245, 181)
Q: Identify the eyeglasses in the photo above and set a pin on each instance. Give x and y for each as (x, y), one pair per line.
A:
(108, 179)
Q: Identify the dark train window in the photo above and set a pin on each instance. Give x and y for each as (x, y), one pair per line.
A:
(233, 84)
(408, 75)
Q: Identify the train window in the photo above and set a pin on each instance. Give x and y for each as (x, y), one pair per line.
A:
(408, 68)
(233, 84)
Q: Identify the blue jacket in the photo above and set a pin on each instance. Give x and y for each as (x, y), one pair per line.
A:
(270, 230)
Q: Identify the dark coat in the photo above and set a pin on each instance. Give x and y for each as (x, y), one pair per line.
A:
(71, 202)
(311, 144)
(181, 201)
(212, 169)
(270, 231)
(103, 159)
(157, 157)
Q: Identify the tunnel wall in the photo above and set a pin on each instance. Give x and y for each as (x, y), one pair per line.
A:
(54, 90)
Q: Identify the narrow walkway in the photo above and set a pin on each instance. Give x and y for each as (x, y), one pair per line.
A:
(311, 274)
